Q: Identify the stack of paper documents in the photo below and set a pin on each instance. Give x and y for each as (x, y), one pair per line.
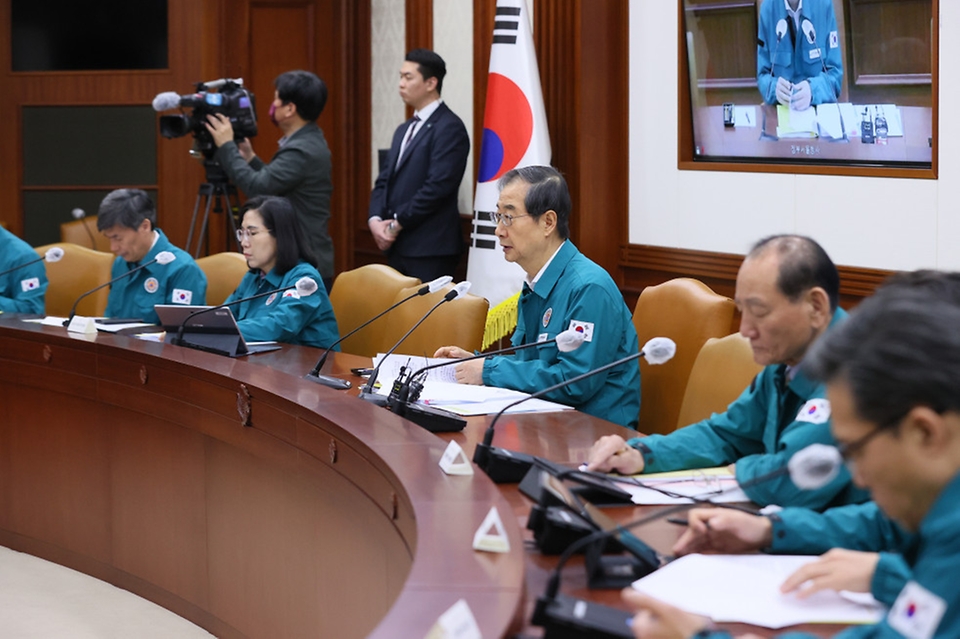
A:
(685, 487)
(441, 389)
(796, 124)
(746, 589)
(836, 121)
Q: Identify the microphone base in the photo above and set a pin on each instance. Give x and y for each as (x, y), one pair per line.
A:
(430, 418)
(501, 465)
(564, 617)
(329, 382)
(555, 528)
(373, 398)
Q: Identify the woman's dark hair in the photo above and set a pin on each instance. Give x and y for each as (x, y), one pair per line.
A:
(280, 220)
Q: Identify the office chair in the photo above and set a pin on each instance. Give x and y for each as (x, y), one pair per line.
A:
(80, 270)
(723, 369)
(224, 272)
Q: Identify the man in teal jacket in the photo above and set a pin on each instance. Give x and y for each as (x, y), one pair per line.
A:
(892, 372)
(787, 292)
(128, 218)
(22, 290)
(564, 290)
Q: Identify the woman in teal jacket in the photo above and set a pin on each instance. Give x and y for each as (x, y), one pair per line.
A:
(272, 244)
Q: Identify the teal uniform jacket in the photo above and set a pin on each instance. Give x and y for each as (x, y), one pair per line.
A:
(300, 171)
(795, 58)
(864, 527)
(929, 604)
(22, 290)
(179, 282)
(760, 431)
(285, 317)
(573, 291)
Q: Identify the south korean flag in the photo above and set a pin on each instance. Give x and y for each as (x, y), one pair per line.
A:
(30, 284)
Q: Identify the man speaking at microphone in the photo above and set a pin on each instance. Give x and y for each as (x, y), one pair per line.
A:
(564, 290)
(798, 53)
(22, 290)
(128, 218)
(787, 292)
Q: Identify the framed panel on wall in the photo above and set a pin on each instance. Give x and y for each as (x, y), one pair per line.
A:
(820, 86)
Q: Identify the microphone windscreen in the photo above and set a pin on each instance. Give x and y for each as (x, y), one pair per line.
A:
(815, 466)
(78, 214)
(459, 290)
(781, 28)
(569, 340)
(306, 286)
(166, 101)
(53, 254)
(439, 283)
(659, 350)
(809, 31)
(165, 257)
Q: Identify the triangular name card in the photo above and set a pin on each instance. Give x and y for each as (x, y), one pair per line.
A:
(490, 536)
(454, 461)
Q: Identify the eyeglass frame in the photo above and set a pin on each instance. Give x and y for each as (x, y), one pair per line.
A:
(245, 233)
(503, 218)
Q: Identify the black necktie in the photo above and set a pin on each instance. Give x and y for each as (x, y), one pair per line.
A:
(406, 143)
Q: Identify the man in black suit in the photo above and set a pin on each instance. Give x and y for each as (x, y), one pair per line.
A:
(414, 215)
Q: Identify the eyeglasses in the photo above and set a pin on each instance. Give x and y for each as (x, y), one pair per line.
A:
(243, 234)
(503, 218)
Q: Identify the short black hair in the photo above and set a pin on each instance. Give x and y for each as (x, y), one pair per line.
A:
(126, 207)
(803, 265)
(280, 220)
(900, 348)
(548, 191)
(429, 64)
(942, 284)
(307, 92)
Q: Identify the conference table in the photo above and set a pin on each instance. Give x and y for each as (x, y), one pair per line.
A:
(255, 503)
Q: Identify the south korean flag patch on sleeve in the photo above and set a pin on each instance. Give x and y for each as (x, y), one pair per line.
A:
(582, 327)
(182, 296)
(834, 40)
(815, 411)
(917, 612)
(30, 284)
(292, 293)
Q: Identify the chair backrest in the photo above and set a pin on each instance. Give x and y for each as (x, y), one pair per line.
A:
(360, 294)
(224, 272)
(688, 312)
(723, 368)
(75, 233)
(457, 323)
(79, 270)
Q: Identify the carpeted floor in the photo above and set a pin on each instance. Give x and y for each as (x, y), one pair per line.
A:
(42, 600)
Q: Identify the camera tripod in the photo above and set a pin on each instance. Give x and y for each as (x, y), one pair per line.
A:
(213, 193)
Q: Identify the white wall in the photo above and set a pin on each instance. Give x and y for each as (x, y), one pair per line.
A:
(881, 223)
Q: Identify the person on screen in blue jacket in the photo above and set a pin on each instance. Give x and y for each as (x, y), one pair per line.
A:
(128, 218)
(799, 62)
(563, 290)
(21, 290)
(860, 541)
(892, 373)
(278, 256)
(787, 292)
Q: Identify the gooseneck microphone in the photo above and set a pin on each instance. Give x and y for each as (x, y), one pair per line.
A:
(305, 286)
(563, 616)
(342, 384)
(163, 257)
(81, 216)
(811, 34)
(53, 254)
(368, 392)
(781, 31)
(504, 466)
(410, 388)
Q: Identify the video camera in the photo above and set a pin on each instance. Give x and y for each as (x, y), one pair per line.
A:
(231, 100)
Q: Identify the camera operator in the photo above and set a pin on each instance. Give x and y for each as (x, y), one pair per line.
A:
(299, 170)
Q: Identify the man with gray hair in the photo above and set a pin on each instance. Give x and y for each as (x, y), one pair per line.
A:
(564, 290)
(128, 218)
(787, 293)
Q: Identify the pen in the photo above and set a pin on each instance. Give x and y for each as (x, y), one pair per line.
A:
(678, 521)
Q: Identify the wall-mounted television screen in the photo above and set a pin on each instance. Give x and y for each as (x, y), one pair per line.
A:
(817, 82)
